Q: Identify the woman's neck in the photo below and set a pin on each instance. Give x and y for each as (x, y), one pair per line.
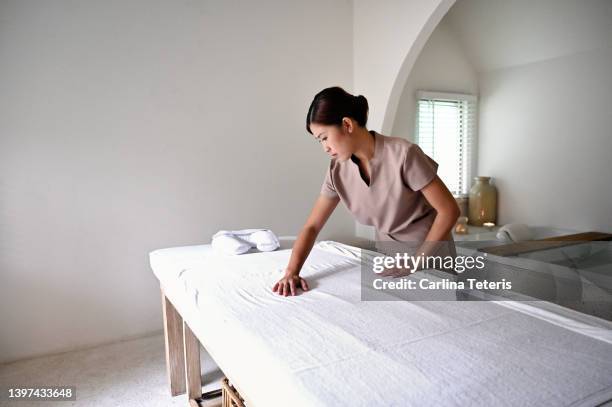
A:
(364, 144)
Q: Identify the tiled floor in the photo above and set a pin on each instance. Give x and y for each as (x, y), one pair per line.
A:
(130, 373)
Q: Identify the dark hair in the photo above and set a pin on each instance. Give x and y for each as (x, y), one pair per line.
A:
(332, 104)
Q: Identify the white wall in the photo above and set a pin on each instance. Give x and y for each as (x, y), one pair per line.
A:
(498, 34)
(542, 70)
(546, 138)
(131, 126)
(545, 112)
(442, 66)
(387, 38)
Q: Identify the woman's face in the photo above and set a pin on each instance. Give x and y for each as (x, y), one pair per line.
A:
(335, 140)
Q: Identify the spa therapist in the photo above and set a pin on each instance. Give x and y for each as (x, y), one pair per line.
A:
(387, 182)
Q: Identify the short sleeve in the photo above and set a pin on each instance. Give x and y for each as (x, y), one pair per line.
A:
(328, 189)
(419, 169)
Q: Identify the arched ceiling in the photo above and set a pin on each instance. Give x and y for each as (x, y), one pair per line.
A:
(497, 34)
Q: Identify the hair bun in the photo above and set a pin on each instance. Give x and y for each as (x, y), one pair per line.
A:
(361, 109)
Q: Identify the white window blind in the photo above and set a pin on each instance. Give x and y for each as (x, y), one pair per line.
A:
(446, 131)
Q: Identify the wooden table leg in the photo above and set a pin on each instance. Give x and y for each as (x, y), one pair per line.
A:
(173, 335)
(192, 364)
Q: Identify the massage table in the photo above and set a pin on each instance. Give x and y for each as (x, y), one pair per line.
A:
(327, 347)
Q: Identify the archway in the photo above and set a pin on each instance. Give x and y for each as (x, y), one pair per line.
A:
(408, 63)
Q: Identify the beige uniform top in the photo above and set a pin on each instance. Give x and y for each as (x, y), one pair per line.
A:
(392, 203)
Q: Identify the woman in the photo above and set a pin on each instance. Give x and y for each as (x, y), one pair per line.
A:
(386, 182)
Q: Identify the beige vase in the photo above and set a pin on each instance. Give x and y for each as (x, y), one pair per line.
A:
(483, 202)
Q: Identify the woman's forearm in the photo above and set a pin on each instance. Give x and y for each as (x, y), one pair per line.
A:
(440, 232)
(442, 226)
(447, 213)
(301, 249)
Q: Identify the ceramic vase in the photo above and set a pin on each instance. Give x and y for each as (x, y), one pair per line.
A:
(482, 202)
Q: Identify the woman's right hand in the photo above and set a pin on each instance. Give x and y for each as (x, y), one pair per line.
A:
(289, 284)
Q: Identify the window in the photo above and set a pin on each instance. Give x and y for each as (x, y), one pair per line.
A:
(446, 131)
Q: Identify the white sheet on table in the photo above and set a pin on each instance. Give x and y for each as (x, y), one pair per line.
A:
(326, 347)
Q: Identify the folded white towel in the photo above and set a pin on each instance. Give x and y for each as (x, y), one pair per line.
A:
(230, 245)
(240, 241)
(514, 232)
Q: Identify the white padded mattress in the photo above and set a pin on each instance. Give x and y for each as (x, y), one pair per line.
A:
(325, 347)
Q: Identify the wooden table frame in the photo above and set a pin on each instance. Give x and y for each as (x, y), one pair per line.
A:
(182, 356)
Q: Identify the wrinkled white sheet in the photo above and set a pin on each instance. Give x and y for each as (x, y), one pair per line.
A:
(328, 348)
